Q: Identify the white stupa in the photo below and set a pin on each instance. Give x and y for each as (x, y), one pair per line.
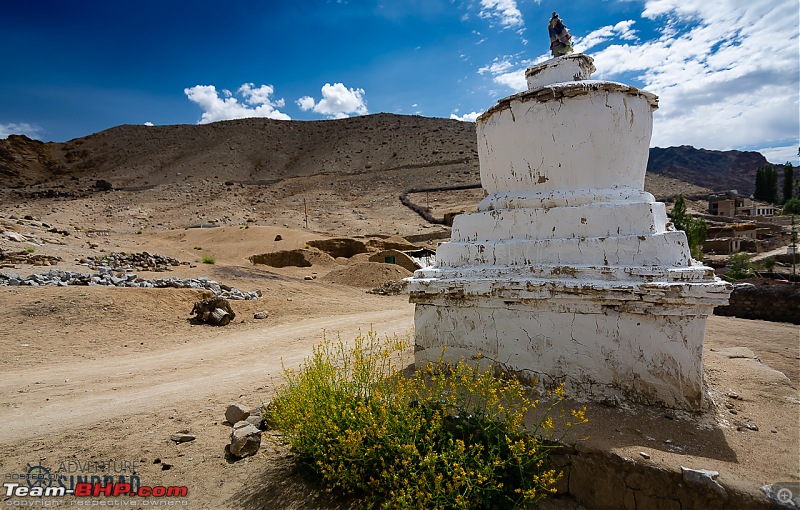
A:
(569, 271)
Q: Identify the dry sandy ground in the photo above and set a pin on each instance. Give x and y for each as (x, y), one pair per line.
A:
(118, 385)
(92, 374)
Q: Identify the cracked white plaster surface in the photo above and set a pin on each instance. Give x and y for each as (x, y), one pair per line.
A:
(569, 270)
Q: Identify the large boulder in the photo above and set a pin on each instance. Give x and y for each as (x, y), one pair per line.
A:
(245, 439)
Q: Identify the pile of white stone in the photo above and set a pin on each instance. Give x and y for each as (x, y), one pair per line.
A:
(108, 278)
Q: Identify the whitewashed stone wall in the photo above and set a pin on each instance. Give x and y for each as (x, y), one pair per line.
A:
(569, 271)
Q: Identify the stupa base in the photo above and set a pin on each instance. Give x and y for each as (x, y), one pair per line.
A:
(641, 343)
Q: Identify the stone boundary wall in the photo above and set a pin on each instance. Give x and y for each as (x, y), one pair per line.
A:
(596, 479)
(425, 212)
(776, 302)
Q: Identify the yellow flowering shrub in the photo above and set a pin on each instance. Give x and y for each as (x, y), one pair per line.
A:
(447, 436)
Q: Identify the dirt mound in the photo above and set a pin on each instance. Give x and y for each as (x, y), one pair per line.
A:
(297, 258)
(342, 247)
(391, 243)
(366, 274)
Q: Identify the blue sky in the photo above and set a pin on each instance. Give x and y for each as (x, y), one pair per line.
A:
(727, 72)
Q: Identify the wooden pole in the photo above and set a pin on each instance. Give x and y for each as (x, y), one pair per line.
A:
(305, 210)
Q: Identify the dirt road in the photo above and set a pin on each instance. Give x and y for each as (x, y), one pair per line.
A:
(72, 396)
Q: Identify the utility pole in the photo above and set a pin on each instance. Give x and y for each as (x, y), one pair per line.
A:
(794, 250)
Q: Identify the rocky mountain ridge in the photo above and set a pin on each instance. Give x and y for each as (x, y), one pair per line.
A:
(251, 150)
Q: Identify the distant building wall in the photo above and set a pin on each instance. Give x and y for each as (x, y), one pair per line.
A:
(722, 246)
(731, 205)
(724, 207)
(747, 231)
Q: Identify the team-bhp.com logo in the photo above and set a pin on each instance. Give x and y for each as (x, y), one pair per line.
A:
(94, 490)
(88, 483)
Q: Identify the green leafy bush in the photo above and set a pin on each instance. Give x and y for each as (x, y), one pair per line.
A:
(792, 206)
(739, 267)
(208, 259)
(696, 229)
(448, 436)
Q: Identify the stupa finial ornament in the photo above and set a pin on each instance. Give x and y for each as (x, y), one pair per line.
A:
(560, 40)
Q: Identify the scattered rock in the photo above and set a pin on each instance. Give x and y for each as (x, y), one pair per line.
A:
(278, 238)
(644, 455)
(309, 277)
(142, 261)
(748, 425)
(256, 421)
(261, 315)
(236, 413)
(182, 438)
(106, 277)
(704, 477)
(19, 238)
(103, 185)
(245, 440)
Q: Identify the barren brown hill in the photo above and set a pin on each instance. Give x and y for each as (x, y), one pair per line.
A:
(243, 150)
(252, 150)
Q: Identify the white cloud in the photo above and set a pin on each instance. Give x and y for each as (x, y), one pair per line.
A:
(218, 107)
(726, 72)
(260, 95)
(621, 30)
(514, 80)
(509, 73)
(505, 11)
(497, 67)
(305, 103)
(22, 128)
(467, 117)
(337, 102)
(780, 155)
